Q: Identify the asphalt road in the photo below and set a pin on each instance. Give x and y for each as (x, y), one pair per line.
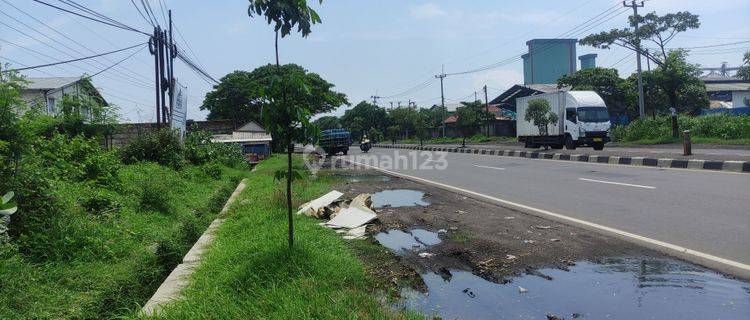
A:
(738, 153)
(698, 210)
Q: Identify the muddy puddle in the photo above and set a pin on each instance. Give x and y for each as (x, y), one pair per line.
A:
(631, 288)
(399, 198)
(403, 241)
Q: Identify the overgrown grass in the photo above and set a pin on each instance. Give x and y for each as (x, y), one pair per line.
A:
(250, 273)
(722, 129)
(110, 246)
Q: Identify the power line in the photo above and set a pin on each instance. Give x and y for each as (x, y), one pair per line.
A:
(77, 52)
(74, 60)
(124, 27)
(149, 21)
(118, 62)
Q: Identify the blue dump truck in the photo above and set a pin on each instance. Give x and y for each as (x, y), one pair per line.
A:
(334, 141)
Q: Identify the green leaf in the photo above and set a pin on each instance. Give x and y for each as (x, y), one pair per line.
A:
(8, 196)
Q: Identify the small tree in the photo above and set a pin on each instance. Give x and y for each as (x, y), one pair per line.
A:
(393, 133)
(744, 71)
(290, 121)
(421, 126)
(539, 113)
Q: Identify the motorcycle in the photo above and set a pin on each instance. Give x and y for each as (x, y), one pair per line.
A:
(365, 145)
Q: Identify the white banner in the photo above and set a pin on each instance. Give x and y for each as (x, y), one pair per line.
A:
(179, 109)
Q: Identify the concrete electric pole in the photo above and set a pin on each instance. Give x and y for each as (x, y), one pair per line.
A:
(441, 76)
(635, 6)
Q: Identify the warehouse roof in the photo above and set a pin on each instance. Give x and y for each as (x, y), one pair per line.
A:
(739, 86)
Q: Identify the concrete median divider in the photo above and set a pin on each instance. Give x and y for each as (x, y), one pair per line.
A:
(692, 164)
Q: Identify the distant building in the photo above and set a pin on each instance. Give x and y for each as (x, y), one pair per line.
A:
(507, 99)
(254, 140)
(48, 92)
(727, 92)
(548, 60)
(588, 61)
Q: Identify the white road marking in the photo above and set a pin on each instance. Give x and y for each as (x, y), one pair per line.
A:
(618, 183)
(697, 256)
(496, 168)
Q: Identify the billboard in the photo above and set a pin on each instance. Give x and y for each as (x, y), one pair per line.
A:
(179, 109)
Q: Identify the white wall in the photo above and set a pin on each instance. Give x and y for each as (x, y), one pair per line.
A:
(738, 98)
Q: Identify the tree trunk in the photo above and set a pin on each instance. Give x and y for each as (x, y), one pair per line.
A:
(289, 150)
(463, 142)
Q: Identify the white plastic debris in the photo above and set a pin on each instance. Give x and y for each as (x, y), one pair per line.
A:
(442, 231)
(510, 218)
(319, 203)
(352, 217)
(510, 257)
(522, 289)
(357, 232)
(542, 227)
(529, 241)
(554, 240)
(426, 254)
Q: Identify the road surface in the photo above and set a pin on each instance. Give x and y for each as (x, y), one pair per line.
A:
(704, 211)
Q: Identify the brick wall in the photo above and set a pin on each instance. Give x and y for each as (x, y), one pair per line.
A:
(129, 131)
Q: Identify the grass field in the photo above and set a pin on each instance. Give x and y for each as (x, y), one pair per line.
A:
(250, 273)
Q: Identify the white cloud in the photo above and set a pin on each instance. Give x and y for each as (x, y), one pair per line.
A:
(427, 11)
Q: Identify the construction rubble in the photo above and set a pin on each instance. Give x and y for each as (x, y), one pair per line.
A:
(348, 216)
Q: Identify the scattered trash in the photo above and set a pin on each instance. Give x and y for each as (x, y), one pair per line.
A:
(554, 240)
(314, 207)
(541, 227)
(469, 293)
(453, 228)
(554, 317)
(510, 218)
(529, 241)
(426, 255)
(352, 217)
(522, 289)
(442, 231)
(460, 211)
(510, 257)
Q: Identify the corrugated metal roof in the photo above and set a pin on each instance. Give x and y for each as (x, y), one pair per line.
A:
(50, 82)
(727, 87)
(251, 126)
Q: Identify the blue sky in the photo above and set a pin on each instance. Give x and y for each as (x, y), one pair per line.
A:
(363, 47)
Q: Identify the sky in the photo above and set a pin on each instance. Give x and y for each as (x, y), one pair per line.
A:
(388, 48)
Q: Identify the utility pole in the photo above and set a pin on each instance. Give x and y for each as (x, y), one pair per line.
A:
(172, 53)
(391, 102)
(441, 76)
(635, 6)
(399, 104)
(486, 106)
(153, 47)
(375, 99)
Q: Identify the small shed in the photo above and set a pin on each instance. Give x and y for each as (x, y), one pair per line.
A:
(254, 140)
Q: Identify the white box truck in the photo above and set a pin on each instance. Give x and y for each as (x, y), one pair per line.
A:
(583, 120)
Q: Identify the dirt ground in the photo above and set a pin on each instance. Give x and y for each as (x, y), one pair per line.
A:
(489, 240)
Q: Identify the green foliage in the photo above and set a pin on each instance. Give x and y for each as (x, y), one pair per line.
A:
(744, 71)
(101, 201)
(213, 170)
(327, 122)
(724, 127)
(393, 133)
(156, 195)
(199, 150)
(539, 113)
(162, 147)
(364, 117)
(620, 95)
(285, 14)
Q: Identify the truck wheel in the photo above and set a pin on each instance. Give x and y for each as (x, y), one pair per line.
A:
(556, 146)
(598, 146)
(569, 143)
(346, 151)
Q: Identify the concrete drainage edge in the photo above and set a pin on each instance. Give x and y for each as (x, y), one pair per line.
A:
(694, 164)
(179, 278)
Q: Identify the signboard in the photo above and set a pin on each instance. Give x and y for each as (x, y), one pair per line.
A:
(179, 109)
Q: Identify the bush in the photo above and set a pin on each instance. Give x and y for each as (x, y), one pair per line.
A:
(200, 150)
(162, 147)
(213, 170)
(156, 195)
(720, 126)
(100, 201)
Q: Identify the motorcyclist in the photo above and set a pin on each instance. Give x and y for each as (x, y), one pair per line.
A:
(365, 144)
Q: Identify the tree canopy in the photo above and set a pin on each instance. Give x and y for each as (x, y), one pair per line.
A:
(239, 95)
(744, 71)
(470, 117)
(619, 94)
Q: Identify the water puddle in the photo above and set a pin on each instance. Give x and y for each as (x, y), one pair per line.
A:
(632, 288)
(399, 198)
(399, 241)
(358, 177)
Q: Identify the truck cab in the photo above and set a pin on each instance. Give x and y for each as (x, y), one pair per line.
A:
(586, 121)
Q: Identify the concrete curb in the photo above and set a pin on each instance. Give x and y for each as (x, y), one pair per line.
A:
(179, 278)
(694, 164)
